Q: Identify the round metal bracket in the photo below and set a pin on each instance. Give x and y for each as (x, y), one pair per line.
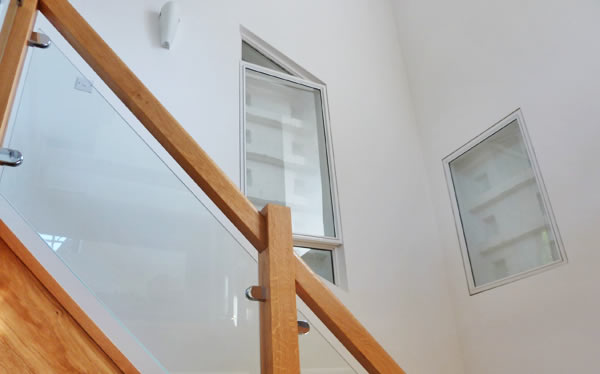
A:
(10, 157)
(39, 40)
(303, 327)
(256, 293)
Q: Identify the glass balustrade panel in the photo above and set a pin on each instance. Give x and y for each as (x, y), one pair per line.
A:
(317, 354)
(127, 226)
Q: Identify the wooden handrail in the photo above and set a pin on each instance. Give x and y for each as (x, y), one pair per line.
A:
(13, 56)
(204, 171)
(342, 323)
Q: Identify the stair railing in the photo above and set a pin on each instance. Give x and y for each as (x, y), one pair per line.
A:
(282, 274)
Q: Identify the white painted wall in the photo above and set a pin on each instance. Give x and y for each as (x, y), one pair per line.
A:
(396, 280)
(470, 64)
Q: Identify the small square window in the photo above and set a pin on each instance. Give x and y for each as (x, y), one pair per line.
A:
(503, 217)
(320, 261)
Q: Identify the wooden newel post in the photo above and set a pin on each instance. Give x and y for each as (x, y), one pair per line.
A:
(13, 48)
(279, 351)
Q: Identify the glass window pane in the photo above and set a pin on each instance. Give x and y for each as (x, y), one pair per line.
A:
(319, 260)
(286, 156)
(252, 55)
(505, 223)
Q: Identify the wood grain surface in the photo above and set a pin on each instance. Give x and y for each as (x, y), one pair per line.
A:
(279, 352)
(37, 335)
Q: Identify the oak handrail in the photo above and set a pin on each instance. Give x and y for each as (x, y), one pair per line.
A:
(342, 323)
(204, 171)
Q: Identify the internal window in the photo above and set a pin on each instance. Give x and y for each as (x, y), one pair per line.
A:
(320, 261)
(252, 55)
(288, 158)
(506, 229)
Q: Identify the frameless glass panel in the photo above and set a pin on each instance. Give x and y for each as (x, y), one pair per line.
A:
(319, 260)
(252, 55)
(317, 355)
(504, 219)
(286, 156)
(125, 225)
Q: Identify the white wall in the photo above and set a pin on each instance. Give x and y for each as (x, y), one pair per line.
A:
(396, 280)
(470, 64)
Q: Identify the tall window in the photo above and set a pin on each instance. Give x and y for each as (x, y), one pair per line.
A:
(503, 216)
(288, 156)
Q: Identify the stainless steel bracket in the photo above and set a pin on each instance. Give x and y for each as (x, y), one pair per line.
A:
(256, 293)
(303, 327)
(10, 157)
(39, 40)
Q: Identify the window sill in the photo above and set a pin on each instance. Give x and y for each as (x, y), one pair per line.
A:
(316, 242)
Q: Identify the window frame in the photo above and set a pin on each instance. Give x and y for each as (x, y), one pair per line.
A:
(468, 268)
(300, 240)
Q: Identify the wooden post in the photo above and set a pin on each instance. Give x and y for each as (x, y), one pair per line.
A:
(279, 351)
(13, 56)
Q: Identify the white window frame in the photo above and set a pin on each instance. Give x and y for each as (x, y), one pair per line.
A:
(473, 289)
(300, 240)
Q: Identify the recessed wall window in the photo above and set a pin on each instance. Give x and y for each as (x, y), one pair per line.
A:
(320, 261)
(252, 55)
(503, 216)
(289, 152)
